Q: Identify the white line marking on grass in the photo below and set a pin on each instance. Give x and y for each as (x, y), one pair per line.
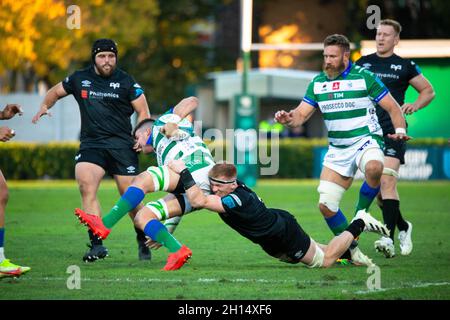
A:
(410, 285)
(199, 280)
(407, 286)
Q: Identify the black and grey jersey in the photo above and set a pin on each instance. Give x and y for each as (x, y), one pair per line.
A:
(395, 72)
(246, 213)
(105, 107)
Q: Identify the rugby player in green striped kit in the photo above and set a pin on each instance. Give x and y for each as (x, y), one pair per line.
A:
(347, 95)
(171, 137)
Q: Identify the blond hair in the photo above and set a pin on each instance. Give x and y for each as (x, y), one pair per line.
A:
(394, 24)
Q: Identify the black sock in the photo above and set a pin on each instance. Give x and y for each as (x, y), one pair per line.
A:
(346, 255)
(391, 212)
(402, 225)
(140, 235)
(94, 239)
(356, 227)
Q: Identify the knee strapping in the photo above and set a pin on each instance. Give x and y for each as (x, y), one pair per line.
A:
(172, 223)
(160, 176)
(370, 155)
(159, 208)
(330, 194)
(390, 172)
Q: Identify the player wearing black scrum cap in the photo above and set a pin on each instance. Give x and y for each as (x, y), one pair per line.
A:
(107, 97)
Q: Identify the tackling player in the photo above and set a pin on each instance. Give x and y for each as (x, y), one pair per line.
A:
(276, 231)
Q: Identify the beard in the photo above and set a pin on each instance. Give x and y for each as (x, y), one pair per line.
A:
(105, 70)
(333, 72)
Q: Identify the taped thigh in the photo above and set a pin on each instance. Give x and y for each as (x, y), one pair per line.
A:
(330, 194)
(160, 176)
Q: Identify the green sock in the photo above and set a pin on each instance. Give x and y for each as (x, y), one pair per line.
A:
(366, 196)
(158, 232)
(129, 200)
(121, 208)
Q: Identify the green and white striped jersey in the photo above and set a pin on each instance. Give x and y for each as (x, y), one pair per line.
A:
(348, 104)
(192, 150)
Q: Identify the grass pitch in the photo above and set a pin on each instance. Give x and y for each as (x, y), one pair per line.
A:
(43, 233)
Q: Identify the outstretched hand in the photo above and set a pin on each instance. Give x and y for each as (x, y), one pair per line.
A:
(409, 108)
(283, 117)
(152, 244)
(6, 134)
(42, 112)
(399, 137)
(10, 111)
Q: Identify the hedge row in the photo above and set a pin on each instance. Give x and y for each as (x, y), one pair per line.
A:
(56, 160)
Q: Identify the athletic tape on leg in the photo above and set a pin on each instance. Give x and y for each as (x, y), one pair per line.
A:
(330, 194)
(370, 155)
(159, 208)
(160, 176)
(390, 172)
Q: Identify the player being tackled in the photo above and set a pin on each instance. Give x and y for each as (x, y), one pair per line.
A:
(170, 136)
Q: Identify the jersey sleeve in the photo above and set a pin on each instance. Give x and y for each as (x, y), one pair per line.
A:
(310, 97)
(135, 90)
(69, 84)
(235, 200)
(413, 70)
(375, 87)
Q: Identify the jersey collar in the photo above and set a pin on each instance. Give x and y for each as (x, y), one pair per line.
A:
(345, 73)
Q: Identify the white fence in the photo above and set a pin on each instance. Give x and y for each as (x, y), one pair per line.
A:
(63, 125)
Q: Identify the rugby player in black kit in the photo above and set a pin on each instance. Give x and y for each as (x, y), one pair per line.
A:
(397, 74)
(275, 230)
(107, 97)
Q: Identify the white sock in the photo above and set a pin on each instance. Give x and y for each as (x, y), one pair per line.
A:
(2, 254)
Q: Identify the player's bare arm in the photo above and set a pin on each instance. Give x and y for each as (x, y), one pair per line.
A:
(389, 104)
(296, 117)
(195, 195)
(426, 94)
(54, 94)
(186, 106)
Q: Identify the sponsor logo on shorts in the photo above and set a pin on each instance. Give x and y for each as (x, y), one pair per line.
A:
(78, 156)
(391, 152)
(298, 254)
(131, 169)
(364, 145)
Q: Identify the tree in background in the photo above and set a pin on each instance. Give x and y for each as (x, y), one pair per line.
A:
(38, 45)
(167, 45)
(181, 51)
